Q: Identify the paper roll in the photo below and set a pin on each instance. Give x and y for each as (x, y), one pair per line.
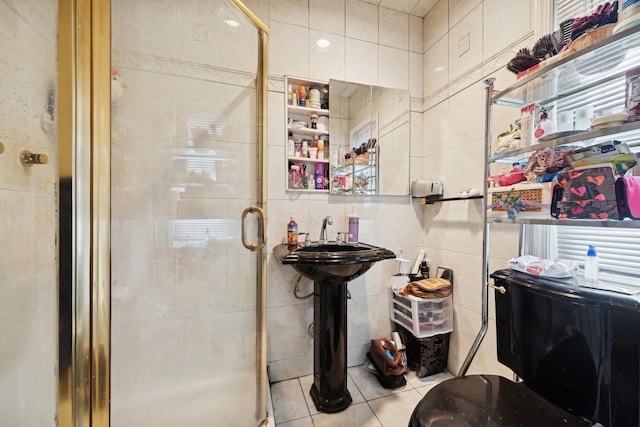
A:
(404, 266)
(426, 188)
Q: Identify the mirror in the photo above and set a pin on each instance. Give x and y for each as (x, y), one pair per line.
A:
(370, 139)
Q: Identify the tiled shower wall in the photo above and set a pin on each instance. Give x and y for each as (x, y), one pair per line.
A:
(28, 217)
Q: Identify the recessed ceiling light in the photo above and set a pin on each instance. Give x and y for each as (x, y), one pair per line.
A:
(232, 23)
(438, 69)
(323, 43)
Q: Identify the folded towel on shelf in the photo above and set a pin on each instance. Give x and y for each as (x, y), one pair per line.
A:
(435, 287)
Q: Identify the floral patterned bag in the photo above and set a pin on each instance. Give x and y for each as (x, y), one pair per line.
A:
(587, 193)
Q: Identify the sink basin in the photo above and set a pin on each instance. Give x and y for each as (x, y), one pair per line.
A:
(332, 260)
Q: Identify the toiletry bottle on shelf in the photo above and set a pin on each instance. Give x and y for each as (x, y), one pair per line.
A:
(320, 149)
(302, 96)
(545, 126)
(354, 223)
(319, 176)
(291, 146)
(591, 265)
(424, 269)
(292, 233)
(295, 176)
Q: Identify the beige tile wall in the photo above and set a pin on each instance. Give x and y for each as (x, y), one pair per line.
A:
(28, 217)
(446, 58)
(370, 44)
(465, 42)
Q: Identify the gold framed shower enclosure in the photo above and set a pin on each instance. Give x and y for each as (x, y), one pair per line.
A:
(84, 105)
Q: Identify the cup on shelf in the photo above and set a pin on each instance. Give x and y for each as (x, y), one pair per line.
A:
(583, 116)
(565, 121)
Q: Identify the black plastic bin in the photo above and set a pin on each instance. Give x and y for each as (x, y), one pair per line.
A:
(427, 356)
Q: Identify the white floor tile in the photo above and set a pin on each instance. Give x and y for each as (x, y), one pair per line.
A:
(358, 415)
(356, 396)
(395, 410)
(307, 381)
(425, 389)
(373, 405)
(300, 422)
(430, 381)
(368, 384)
(288, 401)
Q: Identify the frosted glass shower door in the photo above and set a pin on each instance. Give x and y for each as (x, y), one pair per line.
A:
(184, 150)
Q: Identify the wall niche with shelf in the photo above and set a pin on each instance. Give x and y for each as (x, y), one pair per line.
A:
(307, 146)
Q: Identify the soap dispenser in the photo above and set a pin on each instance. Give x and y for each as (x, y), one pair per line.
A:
(354, 224)
(545, 125)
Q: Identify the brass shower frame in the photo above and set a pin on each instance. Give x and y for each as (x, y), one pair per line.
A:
(84, 135)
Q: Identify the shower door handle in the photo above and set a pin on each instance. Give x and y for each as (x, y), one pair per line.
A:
(261, 242)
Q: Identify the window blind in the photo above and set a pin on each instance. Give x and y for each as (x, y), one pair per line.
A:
(566, 9)
(618, 248)
(362, 135)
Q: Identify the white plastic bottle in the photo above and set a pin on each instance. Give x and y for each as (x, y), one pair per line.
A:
(591, 265)
(545, 126)
(354, 224)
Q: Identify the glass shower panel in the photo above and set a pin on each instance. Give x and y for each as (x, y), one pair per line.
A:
(28, 217)
(183, 341)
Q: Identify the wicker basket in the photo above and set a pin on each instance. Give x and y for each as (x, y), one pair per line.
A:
(534, 195)
(536, 192)
(591, 36)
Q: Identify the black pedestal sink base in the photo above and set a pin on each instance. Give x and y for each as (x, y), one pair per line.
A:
(330, 405)
(331, 266)
(329, 390)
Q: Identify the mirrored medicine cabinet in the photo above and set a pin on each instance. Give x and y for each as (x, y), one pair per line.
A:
(370, 131)
(353, 140)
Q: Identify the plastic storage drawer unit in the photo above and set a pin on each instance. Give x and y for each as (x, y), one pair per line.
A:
(424, 317)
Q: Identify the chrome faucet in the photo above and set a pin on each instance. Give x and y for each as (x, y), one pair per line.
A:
(307, 238)
(323, 230)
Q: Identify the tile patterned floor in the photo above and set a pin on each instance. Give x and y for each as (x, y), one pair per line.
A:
(373, 405)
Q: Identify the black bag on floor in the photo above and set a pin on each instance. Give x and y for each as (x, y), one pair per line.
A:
(387, 360)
